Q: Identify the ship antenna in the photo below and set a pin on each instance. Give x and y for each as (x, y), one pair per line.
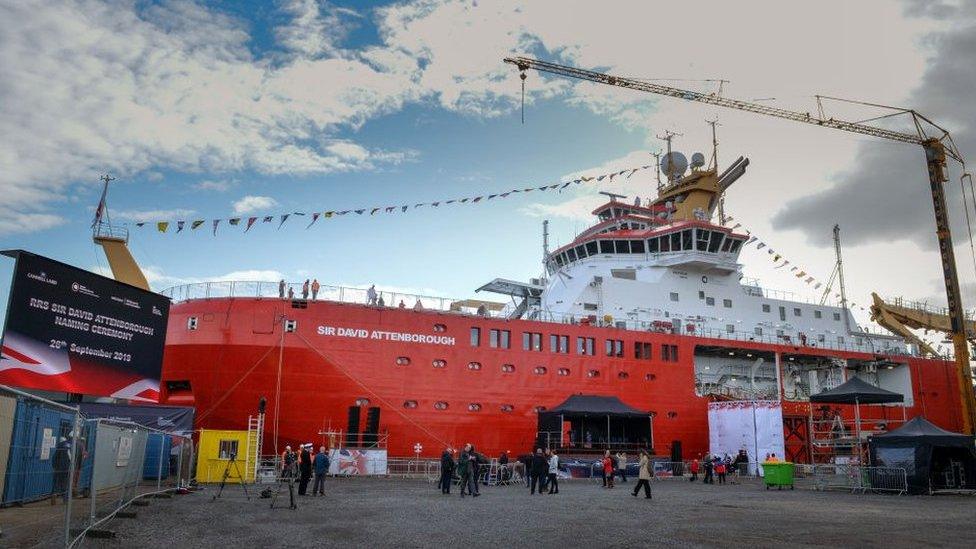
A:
(657, 166)
(721, 195)
(101, 211)
(545, 242)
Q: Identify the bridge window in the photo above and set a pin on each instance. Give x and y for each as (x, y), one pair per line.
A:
(652, 246)
(735, 246)
(584, 346)
(675, 242)
(531, 341)
(571, 254)
(701, 243)
(715, 242)
(686, 239)
(669, 353)
(500, 339)
(606, 246)
(727, 244)
(580, 251)
(636, 246)
(592, 248)
(621, 246)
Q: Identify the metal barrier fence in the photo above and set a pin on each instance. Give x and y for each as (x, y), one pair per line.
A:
(63, 475)
(860, 479)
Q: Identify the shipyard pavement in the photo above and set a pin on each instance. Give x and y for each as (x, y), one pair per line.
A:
(374, 512)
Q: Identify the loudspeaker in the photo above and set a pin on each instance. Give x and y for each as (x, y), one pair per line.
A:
(372, 426)
(676, 450)
(352, 430)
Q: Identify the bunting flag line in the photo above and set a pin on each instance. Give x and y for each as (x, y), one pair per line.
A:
(777, 257)
(249, 222)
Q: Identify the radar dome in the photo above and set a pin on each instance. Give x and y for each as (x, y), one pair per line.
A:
(674, 164)
(697, 160)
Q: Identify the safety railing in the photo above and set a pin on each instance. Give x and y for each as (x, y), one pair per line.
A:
(856, 478)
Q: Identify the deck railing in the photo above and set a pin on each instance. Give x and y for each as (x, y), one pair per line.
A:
(392, 299)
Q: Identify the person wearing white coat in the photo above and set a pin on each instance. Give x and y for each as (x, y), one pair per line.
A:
(644, 476)
(553, 472)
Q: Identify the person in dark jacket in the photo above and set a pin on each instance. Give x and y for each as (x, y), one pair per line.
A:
(473, 466)
(538, 469)
(61, 464)
(709, 469)
(464, 468)
(321, 466)
(304, 470)
(447, 470)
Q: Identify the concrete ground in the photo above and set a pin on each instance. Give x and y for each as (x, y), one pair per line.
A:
(407, 513)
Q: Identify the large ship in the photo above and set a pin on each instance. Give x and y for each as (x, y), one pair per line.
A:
(648, 305)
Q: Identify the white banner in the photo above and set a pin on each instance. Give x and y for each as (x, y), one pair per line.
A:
(753, 426)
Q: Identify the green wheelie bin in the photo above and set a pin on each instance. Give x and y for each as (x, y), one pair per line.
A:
(778, 474)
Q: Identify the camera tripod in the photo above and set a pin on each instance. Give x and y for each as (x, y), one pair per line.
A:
(287, 476)
(223, 481)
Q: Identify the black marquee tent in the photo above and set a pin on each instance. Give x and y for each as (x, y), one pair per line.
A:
(591, 421)
(857, 391)
(933, 458)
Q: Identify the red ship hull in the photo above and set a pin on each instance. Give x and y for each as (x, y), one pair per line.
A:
(233, 356)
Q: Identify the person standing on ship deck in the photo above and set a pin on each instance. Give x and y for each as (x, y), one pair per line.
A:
(291, 292)
(281, 289)
(402, 305)
(418, 306)
(447, 470)
(305, 289)
(315, 289)
(371, 295)
(380, 302)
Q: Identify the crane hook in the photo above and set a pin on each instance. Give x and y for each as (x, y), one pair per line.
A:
(523, 77)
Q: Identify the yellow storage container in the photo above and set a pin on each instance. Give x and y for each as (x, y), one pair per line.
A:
(217, 449)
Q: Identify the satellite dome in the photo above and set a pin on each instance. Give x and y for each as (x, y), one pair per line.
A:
(697, 160)
(674, 164)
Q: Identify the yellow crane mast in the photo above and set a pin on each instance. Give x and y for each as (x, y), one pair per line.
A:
(936, 149)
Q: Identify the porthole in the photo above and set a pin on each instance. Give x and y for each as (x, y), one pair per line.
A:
(563, 371)
(507, 408)
(474, 365)
(508, 368)
(593, 373)
(474, 407)
(409, 404)
(439, 363)
(623, 375)
(539, 409)
(440, 405)
(362, 402)
(440, 328)
(672, 415)
(649, 377)
(539, 370)
(403, 360)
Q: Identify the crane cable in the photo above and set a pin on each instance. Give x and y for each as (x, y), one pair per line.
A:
(965, 206)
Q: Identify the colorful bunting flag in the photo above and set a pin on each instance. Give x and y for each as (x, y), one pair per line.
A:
(315, 217)
(196, 224)
(215, 223)
(140, 224)
(179, 226)
(162, 226)
(250, 222)
(234, 221)
(268, 219)
(284, 218)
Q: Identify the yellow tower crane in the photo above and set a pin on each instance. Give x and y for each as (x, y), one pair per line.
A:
(936, 149)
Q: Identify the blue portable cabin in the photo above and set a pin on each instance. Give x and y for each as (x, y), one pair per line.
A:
(36, 432)
(154, 442)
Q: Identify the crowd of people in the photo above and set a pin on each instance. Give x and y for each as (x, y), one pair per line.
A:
(713, 466)
(301, 465)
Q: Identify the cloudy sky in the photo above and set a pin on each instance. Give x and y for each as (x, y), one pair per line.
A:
(237, 108)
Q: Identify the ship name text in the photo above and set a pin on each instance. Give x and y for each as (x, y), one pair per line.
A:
(385, 336)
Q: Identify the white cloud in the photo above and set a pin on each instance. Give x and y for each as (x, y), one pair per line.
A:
(250, 204)
(217, 185)
(14, 222)
(138, 216)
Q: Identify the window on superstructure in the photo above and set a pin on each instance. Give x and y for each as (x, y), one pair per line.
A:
(666, 353)
(636, 246)
(710, 301)
(592, 248)
(782, 313)
(715, 242)
(727, 303)
(837, 316)
(797, 311)
(653, 245)
(505, 341)
(621, 246)
(686, 239)
(675, 242)
(564, 344)
(507, 408)
(227, 449)
(571, 254)
(817, 314)
(554, 343)
(821, 338)
(409, 404)
(726, 244)
(674, 296)
(609, 347)
(606, 246)
(493, 339)
(758, 331)
(618, 348)
(730, 328)
(840, 340)
(591, 346)
(701, 242)
(475, 337)
(642, 350)
(593, 373)
(526, 341)
(780, 333)
(580, 345)
(440, 405)
(580, 251)
(674, 353)
(622, 375)
(590, 306)
(736, 244)
(765, 308)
